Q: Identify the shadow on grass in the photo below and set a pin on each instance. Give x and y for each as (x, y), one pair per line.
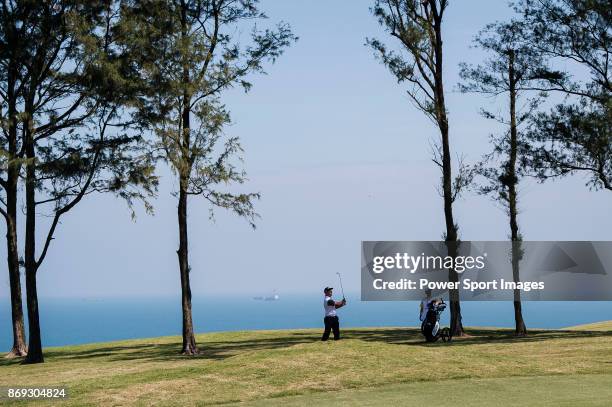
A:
(475, 336)
(212, 350)
(218, 350)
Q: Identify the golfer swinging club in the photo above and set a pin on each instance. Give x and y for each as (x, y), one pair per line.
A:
(331, 319)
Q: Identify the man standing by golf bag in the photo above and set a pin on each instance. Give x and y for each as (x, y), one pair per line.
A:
(331, 319)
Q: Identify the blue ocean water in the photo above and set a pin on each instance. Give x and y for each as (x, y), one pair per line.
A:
(75, 321)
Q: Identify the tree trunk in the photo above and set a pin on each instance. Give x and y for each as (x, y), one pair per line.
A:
(189, 342)
(512, 180)
(35, 354)
(19, 344)
(520, 328)
(456, 326)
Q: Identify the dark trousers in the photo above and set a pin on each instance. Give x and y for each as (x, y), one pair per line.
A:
(331, 323)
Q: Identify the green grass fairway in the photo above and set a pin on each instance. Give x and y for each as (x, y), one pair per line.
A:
(387, 366)
(541, 391)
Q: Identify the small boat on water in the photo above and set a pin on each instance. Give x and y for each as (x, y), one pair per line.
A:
(273, 297)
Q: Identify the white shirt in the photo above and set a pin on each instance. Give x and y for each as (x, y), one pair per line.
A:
(330, 310)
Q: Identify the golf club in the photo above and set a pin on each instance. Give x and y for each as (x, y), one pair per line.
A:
(341, 288)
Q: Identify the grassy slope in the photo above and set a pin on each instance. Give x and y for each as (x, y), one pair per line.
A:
(596, 326)
(489, 366)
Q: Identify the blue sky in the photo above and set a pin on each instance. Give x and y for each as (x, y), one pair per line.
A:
(339, 154)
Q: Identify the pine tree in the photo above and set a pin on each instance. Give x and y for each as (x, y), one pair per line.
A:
(70, 105)
(416, 26)
(11, 160)
(510, 70)
(575, 135)
(188, 53)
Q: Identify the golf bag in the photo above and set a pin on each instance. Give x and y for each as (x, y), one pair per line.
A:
(430, 328)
